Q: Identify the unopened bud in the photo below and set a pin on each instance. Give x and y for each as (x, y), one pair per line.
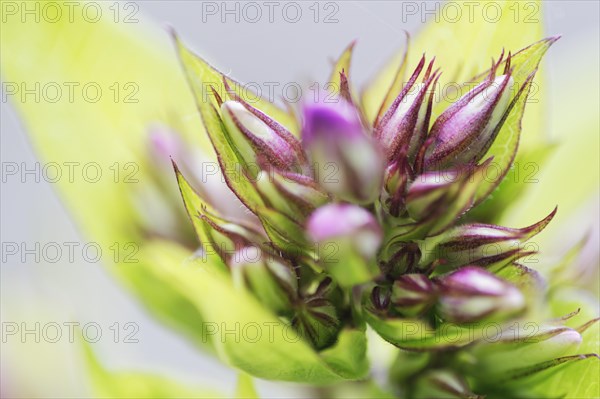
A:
(259, 139)
(465, 131)
(396, 178)
(347, 163)
(412, 294)
(404, 126)
(405, 259)
(471, 294)
(351, 236)
(431, 190)
(485, 244)
(317, 322)
(436, 199)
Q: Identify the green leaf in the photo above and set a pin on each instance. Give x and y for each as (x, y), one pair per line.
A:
(131, 384)
(108, 132)
(578, 378)
(569, 376)
(162, 294)
(347, 356)
(518, 180)
(416, 334)
(251, 338)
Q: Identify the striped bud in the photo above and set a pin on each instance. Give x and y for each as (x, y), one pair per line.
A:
(464, 132)
(404, 125)
(486, 244)
(471, 294)
(317, 322)
(396, 178)
(260, 139)
(412, 295)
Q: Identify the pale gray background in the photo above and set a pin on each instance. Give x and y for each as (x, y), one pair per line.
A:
(261, 52)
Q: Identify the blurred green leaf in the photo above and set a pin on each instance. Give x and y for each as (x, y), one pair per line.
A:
(416, 334)
(347, 356)
(245, 387)
(110, 133)
(131, 384)
(161, 294)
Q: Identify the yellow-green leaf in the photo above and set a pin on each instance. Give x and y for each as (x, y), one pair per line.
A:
(133, 384)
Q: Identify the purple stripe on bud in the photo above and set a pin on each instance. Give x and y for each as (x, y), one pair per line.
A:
(258, 138)
(486, 244)
(463, 133)
(412, 294)
(471, 294)
(405, 124)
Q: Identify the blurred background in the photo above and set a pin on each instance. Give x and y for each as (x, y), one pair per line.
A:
(258, 50)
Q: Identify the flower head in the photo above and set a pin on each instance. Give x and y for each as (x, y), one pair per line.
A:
(369, 219)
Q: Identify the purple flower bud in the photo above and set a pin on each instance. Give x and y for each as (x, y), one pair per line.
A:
(405, 124)
(396, 178)
(436, 199)
(412, 294)
(430, 189)
(346, 221)
(259, 139)
(465, 131)
(472, 294)
(486, 244)
(348, 238)
(347, 163)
